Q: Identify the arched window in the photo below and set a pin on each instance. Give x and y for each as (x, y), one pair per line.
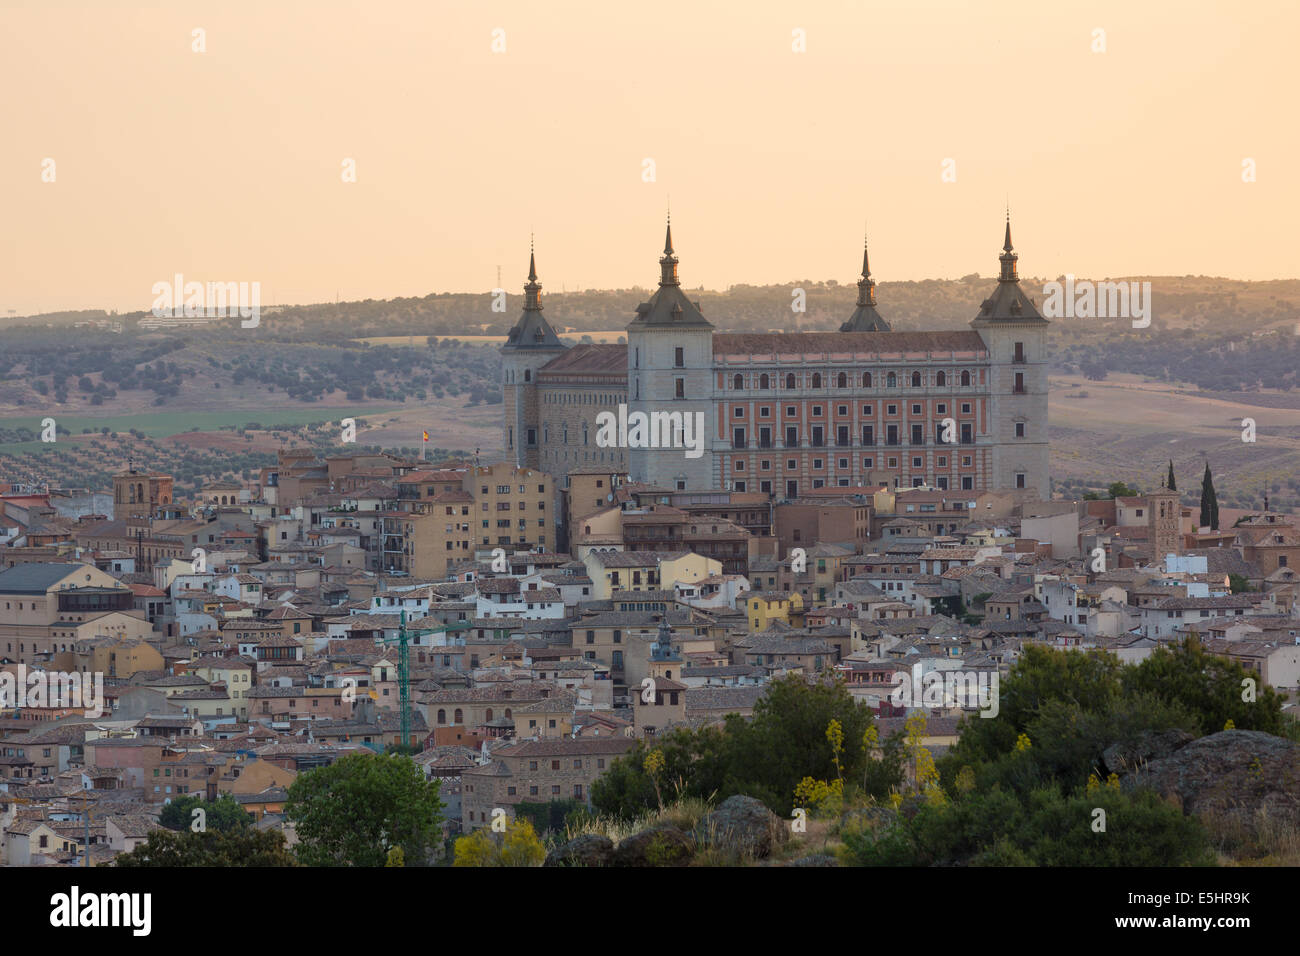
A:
(763, 381)
(442, 716)
(509, 716)
(817, 380)
(965, 378)
(916, 379)
(866, 379)
(738, 382)
(488, 716)
(891, 380)
(842, 381)
(940, 379)
(789, 380)
(460, 716)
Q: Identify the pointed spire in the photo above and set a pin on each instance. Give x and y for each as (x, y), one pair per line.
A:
(1008, 257)
(866, 287)
(865, 318)
(668, 263)
(533, 289)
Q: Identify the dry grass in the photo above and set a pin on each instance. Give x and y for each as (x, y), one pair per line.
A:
(1264, 840)
(684, 813)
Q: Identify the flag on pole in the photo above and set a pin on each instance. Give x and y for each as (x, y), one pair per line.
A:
(426, 436)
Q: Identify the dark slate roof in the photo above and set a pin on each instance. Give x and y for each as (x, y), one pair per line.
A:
(1008, 303)
(532, 332)
(35, 578)
(669, 307)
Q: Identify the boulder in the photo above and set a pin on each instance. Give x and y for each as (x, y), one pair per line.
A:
(1237, 774)
(742, 826)
(1124, 758)
(586, 849)
(660, 845)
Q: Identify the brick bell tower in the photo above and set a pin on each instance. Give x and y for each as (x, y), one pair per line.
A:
(1164, 523)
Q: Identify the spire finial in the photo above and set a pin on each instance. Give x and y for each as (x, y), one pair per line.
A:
(1008, 257)
(866, 287)
(533, 288)
(668, 261)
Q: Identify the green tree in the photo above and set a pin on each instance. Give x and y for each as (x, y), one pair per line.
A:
(222, 814)
(1043, 828)
(1211, 688)
(1172, 485)
(786, 740)
(1209, 502)
(1239, 584)
(353, 811)
(241, 846)
(693, 764)
(1118, 489)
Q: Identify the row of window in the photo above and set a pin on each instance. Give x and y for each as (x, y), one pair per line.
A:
(792, 485)
(842, 411)
(866, 380)
(564, 398)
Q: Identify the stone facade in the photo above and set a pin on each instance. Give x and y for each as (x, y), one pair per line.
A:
(786, 414)
(537, 771)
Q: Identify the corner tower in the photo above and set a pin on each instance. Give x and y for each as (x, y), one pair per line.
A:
(1015, 335)
(670, 370)
(531, 344)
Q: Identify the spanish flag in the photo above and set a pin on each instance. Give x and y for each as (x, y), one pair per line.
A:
(426, 436)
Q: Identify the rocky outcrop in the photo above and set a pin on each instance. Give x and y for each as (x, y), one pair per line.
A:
(742, 826)
(587, 849)
(1152, 745)
(1236, 774)
(659, 845)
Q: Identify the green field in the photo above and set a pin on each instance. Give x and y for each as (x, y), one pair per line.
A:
(165, 424)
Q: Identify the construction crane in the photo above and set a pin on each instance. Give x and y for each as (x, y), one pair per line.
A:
(404, 667)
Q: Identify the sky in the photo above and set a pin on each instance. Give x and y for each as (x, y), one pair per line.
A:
(227, 164)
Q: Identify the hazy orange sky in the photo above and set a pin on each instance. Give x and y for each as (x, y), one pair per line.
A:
(225, 165)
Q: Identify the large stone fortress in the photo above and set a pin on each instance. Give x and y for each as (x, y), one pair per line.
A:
(786, 413)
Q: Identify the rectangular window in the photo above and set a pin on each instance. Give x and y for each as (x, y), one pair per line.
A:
(679, 357)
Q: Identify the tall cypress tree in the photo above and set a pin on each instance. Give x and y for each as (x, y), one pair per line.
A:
(1209, 503)
(1172, 485)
